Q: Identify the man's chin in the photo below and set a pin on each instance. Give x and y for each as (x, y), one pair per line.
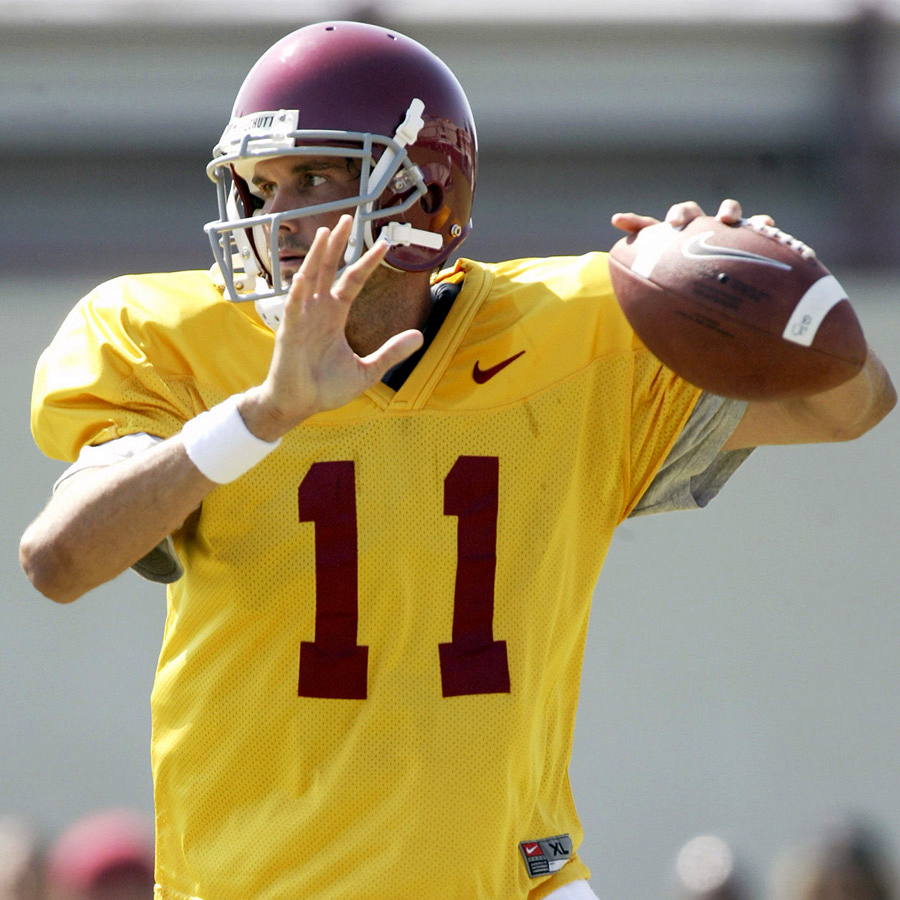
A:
(288, 270)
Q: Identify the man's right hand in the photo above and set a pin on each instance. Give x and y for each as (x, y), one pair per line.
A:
(314, 368)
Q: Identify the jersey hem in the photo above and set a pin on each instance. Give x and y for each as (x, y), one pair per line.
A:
(574, 870)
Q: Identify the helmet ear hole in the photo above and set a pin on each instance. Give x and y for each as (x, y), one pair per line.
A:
(433, 199)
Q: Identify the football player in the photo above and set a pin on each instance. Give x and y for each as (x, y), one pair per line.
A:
(380, 487)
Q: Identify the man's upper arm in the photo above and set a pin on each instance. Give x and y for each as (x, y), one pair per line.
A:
(162, 563)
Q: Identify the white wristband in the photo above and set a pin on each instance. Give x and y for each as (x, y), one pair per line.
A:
(220, 445)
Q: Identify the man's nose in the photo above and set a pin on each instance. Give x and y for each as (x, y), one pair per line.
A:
(285, 200)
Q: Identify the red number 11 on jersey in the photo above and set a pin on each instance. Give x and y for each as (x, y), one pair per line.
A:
(472, 662)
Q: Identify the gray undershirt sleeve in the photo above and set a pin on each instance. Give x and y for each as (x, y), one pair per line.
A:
(697, 467)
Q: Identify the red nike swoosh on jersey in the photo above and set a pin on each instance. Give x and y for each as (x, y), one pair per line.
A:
(531, 849)
(482, 375)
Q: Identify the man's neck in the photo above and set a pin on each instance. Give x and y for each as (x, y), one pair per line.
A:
(442, 298)
(391, 302)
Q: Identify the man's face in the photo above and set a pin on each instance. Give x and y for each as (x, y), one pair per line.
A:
(297, 182)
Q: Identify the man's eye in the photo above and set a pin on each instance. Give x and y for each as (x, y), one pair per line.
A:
(315, 180)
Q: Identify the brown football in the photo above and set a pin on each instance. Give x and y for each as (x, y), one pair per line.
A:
(743, 311)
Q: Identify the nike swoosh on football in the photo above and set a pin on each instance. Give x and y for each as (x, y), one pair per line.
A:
(482, 375)
(698, 247)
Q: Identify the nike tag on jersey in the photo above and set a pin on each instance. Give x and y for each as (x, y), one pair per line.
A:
(546, 855)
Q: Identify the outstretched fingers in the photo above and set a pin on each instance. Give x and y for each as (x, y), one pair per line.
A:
(320, 266)
(315, 319)
(358, 273)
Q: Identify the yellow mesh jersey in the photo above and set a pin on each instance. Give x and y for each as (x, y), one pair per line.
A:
(370, 670)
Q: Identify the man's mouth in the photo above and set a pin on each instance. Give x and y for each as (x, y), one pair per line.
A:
(291, 257)
(289, 262)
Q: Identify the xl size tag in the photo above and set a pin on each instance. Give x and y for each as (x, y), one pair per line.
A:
(546, 855)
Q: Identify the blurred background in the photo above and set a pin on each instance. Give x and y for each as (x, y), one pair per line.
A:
(741, 689)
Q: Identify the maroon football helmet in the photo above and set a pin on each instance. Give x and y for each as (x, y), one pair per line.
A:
(357, 91)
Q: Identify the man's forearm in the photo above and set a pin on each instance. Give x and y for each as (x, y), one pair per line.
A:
(103, 520)
(841, 414)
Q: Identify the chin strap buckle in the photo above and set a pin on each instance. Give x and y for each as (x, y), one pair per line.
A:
(403, 234)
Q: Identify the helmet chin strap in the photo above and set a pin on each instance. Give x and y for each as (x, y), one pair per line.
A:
(399, 233)
(402, 233)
